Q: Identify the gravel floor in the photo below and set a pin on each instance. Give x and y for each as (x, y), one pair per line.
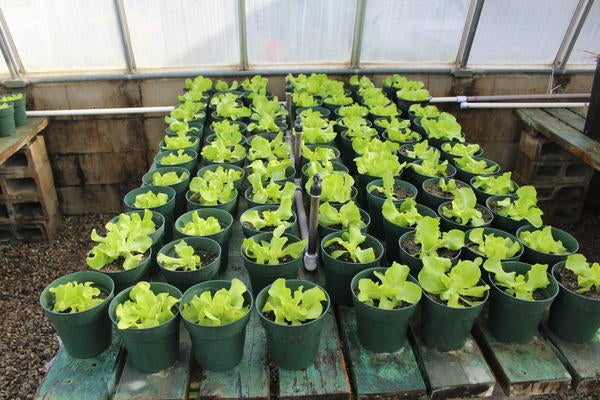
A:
(28, 342)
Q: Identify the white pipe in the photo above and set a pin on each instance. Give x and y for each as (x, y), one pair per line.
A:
(467, 105)
(99, 111)
(504, 97)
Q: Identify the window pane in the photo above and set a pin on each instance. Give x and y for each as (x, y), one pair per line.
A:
(409, 31)
(183, 33)
(521, 32)
(65, 35)
(299, 31)
(588, 40)
(3, 67)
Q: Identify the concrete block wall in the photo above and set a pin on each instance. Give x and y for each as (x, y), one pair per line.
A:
(97, 159)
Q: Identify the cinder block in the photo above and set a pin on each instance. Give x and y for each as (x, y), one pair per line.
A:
(27, 160)
(4, 213)
(555, 172)
(37, 230)
(35, 210)
(28, 184)
(561, 212)
(537, 147)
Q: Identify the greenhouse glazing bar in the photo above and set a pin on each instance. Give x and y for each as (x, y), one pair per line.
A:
(570, 38)
(468, 35)
(125, 37)
(357, 37)
(9, 51)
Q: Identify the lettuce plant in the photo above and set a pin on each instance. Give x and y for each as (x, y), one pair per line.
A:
(256, 84)
(222, 308)
(180, 128)
(448, 185)
(227, 132)
(11, 97)
(524, 207)
(492, 246)
(4, 105)
(199, 226)
(133, 224)
(480, 167)
(350, 242)
(388, 188)
(186, 111)
(316, 129)
(264, 107)
(293, 309)
(588, 275)
(318, 154)
(390, 290)
(319, 167)
(388, 110)
(373, 145)
(176, 158)
(431, 239)
(199, 84)
(168, 178)
(346, 216)
(232, 110)
(303, 99)
(275, 251)
(543, 241)
(222, 174)
(339, 99)
(128, 244)
(274, 169)
(520, 286)
(444, 127)
(150, 199)
(495, 185)
(377, 163)
(195, 96)
(73, 297)
(211, 192)
(413, 94)
(374, 97)
(179, 142)
(352, 122)
(271, 192)
(459, 149)
(392, 123)
(218, 152)
(457, 285)
(362, 82)
(424, 112)
(431, 166)
(336, 187)
(263, 123)
(184, 259)
(264, 149)
(281, 216)
(145, 309)
(222, 86)
(353, 110)
(420, 150)
(406, 214)
(463, 208)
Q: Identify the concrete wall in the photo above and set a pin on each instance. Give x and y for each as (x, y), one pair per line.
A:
(97, 159)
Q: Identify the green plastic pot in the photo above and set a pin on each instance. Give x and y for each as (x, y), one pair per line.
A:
(375, 204)
(125, 278)
(179, 187)
(217, 348)
(195, 146)
(414, 263)
(417, 179)
(237, 183)
(184, 279)
(262, 275)
(466, 176)
(167, 210)
(240, 163)
(447, 328)
(501, 222)
(467, 253)
(447, 224)
(248, 231)
(515, 320)
(363, 182)
(379, 330)
(230, 206)
(189, 165)
(87, 333)
(326, 230)
(150, 349)
(197, 133)
(573, 316)
(20, 114)
(533, 256)
(431, 200)
(404, 104)
(483, 196)
(7, 121)
(292, 346)
(313, 146)
(222, 237)
(339, 274)
(393, 232)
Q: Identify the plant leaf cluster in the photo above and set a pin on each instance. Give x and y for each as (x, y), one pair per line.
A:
(405, 214)
(336, 187)
(431, 239)
(294, 309)
(470, 164)
(588, 274)
(273, 251)
(543, 241)
(463, 208)
(176, 158)
(350, 241)
(210, 192)
(264, 149)
(75, 297)
(222, 308)
(218, 152)
(495, 185)
(391, 289)
(199, 226)
(168, 178)
(521, 286)
(347, 215)
(524, 207)
(145, 309)
(270, 192)
(184, 259)
(150, 199)
(281, 216)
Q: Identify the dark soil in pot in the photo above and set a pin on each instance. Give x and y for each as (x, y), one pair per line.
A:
(400, 193)
(413, 248)
(569, 280)
(433, 188)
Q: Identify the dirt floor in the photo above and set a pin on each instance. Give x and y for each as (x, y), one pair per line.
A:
(28, 342)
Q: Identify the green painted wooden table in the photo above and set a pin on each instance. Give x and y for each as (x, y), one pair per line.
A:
(9, 145)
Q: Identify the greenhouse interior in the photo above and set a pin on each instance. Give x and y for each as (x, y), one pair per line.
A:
(307, 199)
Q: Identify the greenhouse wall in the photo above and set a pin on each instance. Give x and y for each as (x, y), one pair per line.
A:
(97, 159)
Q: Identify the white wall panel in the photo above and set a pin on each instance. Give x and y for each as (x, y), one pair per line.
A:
(408, 31)
(517, 32)
(65, 35)
(300, 31)
(588, 40)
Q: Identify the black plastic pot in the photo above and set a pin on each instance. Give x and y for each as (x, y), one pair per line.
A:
(212, 167)
(167, 210)
(467, 252)
(466, 176)
(412, 261)
(533, 256)
(448, 224)
(375, 204)
(180, 187)
(393, 232)
(431, 200)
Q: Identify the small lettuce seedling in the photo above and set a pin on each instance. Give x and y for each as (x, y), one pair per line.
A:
(388, 186)
(353, 122)
(377, 163)
(168, 178)
(373, 145)
(303, 99)
(264, 107)
(198, 84)
(360, 132)
(406, 214)
(457, 285)
(523, 208)
(519, 285)
(492, 246)
(264, 149)
(495, 185)
(384, 110)
(73, 297)
(336, 187)
(179, 128)
(222, 86)
(263, 123)
(11, 97)
(392, 290)
(362, 82)
(223, 174)
(150, 199)
(461, 149)
(445, 127)
(218, 152)
(275, 251)
(543, 241)
(271, 192)
(256, 84)
(424, 112)
(447, 185)
(469, 164)
(413, 94)
(186, 111)
(185, 258)
(199, 226)
(431, 239)
(353, 110)
(318, 154)
(211, 192)
(339, 99)
(129, 246)
(179, 142)
(319, 167)
(133, 224)
(273, 169)
(350, 241)
(145, 309)
(176, 158)
(348, 215)
(227, 132)
(463, 208)
(222, 308)
(193, 96)
(420, 150)
(269, 218)
(588, 275)
(431, 166)
(316, 129)
(288, 309)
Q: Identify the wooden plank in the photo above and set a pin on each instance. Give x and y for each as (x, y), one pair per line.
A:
(382, 375)
(168, 384)
(326, 378)
(581, 359)
(583, 147)
(453, 374)
(90, 379)
(581, 111)
(570, 118)
(9, 145)
(523, 369)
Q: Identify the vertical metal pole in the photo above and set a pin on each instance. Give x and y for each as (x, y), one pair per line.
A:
(297, 145)
(9, 50)
(564, 51)
(125, 37)
(592, 122)
(243, 33)
(310, 257)
(288, 104)
(357, 36)
(466, 42)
